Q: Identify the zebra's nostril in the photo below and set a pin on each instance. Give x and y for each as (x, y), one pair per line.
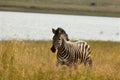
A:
(53, 49)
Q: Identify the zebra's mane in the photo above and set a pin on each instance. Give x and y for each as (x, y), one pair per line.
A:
(61, 31)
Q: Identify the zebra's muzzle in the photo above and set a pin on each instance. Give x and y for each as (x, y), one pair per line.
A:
(53, 49)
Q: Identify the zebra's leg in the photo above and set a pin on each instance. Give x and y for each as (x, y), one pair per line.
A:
(58, 66)
(75, 66)
(88, 61)
(88, 65)
(70, 70)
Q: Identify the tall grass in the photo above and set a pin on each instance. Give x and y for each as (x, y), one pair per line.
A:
(33, 60)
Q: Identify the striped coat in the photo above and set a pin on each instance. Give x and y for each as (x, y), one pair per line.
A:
(71, 53)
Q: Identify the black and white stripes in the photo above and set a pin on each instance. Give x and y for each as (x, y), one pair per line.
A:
(70, 53)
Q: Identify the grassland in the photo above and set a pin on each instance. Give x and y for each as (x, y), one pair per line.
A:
(33, 60)
(77, 7)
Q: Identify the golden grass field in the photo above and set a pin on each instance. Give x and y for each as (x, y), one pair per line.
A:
(33, 60)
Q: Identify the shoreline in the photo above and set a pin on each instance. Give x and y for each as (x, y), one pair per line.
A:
(53, 8)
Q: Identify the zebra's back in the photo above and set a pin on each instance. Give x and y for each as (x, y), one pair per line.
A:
(74, 52)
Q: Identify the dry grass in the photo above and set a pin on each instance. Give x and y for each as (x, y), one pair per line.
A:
(33, 60)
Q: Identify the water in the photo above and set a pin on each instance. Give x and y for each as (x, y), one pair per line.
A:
(38, 26)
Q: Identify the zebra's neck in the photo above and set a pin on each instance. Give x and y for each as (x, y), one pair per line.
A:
(63, 49)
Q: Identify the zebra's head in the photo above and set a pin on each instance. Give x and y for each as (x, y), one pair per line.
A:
(59, 33)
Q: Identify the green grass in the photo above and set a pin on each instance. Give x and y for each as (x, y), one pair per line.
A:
(78, 7)
(33, 60)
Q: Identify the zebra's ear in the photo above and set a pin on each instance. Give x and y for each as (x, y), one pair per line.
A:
(53, 30)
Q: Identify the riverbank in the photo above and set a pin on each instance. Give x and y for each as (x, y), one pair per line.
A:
(33, 60)
(83, 7)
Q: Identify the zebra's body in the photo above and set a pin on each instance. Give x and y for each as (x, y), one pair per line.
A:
(72, 53)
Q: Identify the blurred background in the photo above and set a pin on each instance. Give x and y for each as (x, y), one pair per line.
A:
(82, 19)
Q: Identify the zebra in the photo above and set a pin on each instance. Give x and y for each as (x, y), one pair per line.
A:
(70, 53)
